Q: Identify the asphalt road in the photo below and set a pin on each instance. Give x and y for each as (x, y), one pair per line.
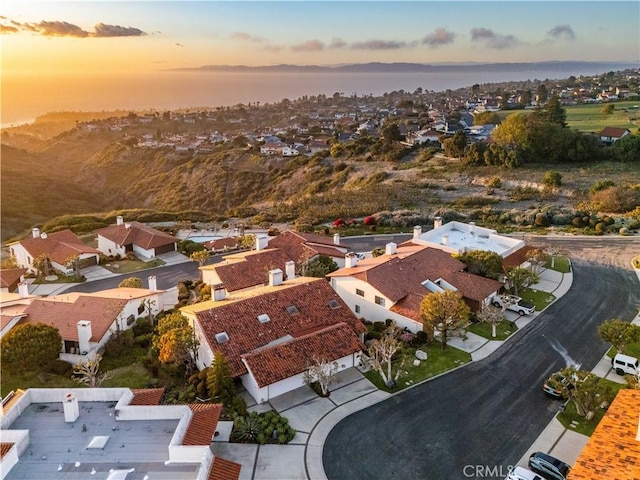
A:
(486, 414)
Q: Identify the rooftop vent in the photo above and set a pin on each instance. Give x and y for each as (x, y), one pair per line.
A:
(292, 310)
(263, 318)
(333, 304)
(222, 337)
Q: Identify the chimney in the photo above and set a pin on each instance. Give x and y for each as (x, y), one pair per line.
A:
(417, 231)
(84, 335)
(35, 231)
(390, 248)
(290, 269)
(275, 277)
(350, 260)
(127, 225)
(218, 292)
(261, 242)
(445, 239)
(472, 228)
(336, 238)
(437, 222)
(23, 289)
(119, 220)
(70, 407)
(153, 283)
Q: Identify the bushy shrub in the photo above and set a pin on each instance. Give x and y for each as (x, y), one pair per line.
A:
(119, 343)
(379, 326)
(373, 335)
(421, 338)
(144, 340)
(369, 220)
(267, 427)
(495, 182)
(60, 367)
(142, 327)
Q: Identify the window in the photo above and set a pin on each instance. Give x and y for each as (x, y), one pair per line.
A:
(263, 318)
(333, 304)
(292, 310)
(222, 337)
(359, 292)
(141, 309)
(357, 308)
(380, 301)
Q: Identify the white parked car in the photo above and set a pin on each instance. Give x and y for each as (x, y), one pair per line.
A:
(625, 364)
(514, 303)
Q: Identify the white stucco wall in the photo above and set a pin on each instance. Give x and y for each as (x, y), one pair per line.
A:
(108, 247)
(22, 257)
(144, 252)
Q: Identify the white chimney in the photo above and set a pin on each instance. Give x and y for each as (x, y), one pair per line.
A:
(84, 335)
(437, 222)
(417, 231)
(43, 236)
(261, 242)
(290, 269)
(127, 225)
(336, 238)
(350, 260)
(70, 407)
(35, 231)
(275, 277)
(445, 239)
(390, 248)
(153, 283)
(219, 292)
(23, 289)
(119, 220)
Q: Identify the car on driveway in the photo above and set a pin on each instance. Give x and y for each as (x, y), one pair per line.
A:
(555, 385)
(549, 467)
(521, 473)
(514, 303)
(625, 364)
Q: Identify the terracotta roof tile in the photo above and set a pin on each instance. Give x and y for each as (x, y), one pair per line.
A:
(4, 448)
(203, 423)
(613, 451)
(11, 276)
(137, 234)
(246, 333)
(60, 246)
(614, 132)
(299, 246)
(221, 243)
(517, 258)
(66, 310)
(287, 359)
(249, 269)
(222, 469)
(146, 396)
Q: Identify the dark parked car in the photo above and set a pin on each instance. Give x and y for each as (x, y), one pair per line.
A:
(549, 467)
(554, 385)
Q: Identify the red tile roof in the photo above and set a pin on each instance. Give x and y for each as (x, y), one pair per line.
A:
(59, 246)
(146, 396)
(66, 310)
(246, 333)
(613, 132)
(4, 448)
(222, 469)
(11, 276)
(137, 233)
(203, 423)
(613, 450)
(6, 319)
(517, 258)
(299, 246)
(287, 359)
(221, 243)
(249, 269)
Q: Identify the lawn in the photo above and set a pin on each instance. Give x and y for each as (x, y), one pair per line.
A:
(132, 376)
(589, 118)
(633, 349)
(539, 298)
(13, 381)
(560, 264)
(503, 331)
(436, 363)
(128, 266)
(581, 424)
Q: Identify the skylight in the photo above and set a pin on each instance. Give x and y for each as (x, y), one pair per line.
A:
(222, 337)
(264, 318)
(333, 304)
(292, 310)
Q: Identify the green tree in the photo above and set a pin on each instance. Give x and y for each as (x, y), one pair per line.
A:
(518, 278)
(220, 380)
(585, 389)
(376, 252)
(512, 132)
(537, 257)
(608, 109)
(130, 282)
(42, 264)
(320, 266)
(9, 263)
(541, 93)
(619, 333)
(627, 149)
(483, 262)
(381, 353)
(30, 346)
(391, 133)
(553, 112)
(200, 256)
(443, 313)
(485, 118)
(175, 341)
(552, 178)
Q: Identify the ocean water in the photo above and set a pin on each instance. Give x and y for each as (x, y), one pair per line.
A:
(25, 97)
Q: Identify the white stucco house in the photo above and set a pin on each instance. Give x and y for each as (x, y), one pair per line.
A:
(136, 237)
(269, 335)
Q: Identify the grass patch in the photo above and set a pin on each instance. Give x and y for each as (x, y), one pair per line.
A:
(132, 376)
(129, 357)
(128, 266)
(436, 363)
(13, 381)
(589, 118)
(503, 330)
(581, 424)
(539, 298)
(560, 264)
(633, 349)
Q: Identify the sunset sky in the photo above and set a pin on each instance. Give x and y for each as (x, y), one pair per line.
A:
(53, 37)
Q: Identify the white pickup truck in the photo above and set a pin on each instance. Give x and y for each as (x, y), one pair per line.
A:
(514, 303)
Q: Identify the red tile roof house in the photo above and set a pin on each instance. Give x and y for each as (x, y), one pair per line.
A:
(270, 334)
(393, 285)
(172, 441)
(10, 278)
(612, 134)
(136, 237)
(303, 247)
(86, 321)
(60, 247)
(12, 307)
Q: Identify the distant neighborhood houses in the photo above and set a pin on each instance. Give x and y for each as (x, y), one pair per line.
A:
(611, 134)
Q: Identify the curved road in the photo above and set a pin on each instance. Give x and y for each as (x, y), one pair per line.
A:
(487, 413)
